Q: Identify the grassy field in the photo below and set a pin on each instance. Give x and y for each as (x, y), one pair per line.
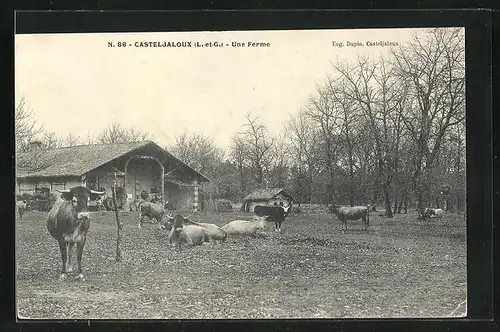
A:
(397, 268)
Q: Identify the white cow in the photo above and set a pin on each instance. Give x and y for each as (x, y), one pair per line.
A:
(245, 227)
(434, 213)
(213, 231)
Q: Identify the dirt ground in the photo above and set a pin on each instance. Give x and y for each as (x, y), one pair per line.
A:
(313, 269)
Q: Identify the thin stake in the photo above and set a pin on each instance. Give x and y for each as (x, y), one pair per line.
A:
(119, 225)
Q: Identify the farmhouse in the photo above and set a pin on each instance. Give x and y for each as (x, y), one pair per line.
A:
(133, 166)
(270, 196)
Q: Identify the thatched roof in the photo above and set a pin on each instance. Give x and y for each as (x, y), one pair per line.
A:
(79, 160)
(266, 194)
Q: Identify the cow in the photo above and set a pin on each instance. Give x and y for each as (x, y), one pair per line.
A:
(273, 213)
(21, 207)
(150, 210)
(345, 213)
(180, 234)
(68, 222)
(214, 232)
(246, 227)
(433, 213)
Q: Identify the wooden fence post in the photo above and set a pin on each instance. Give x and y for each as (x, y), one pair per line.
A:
(119, 225)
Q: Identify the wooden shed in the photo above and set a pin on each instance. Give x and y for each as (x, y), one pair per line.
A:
(135, 167)
(270, 197)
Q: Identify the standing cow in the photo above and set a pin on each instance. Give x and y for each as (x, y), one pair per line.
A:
(273, 213)
(21, 207)
(345, 213)
(150, 210)
(68, 222)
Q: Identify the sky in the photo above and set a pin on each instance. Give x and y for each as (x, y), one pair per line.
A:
(77, 83)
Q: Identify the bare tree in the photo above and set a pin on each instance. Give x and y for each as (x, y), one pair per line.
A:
(348, 120)
(321, 110)
(50, 140)
(201, 153)
(434, 69)
(239, 157)
(277, 171)
(375, 90)
(198, 151)
(27, 127)
(257, 144)
(303, 141)
(71, 140)
(116, 133)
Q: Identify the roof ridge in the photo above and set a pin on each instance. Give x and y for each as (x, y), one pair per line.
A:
(99, 144)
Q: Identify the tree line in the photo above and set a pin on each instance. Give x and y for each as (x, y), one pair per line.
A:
(386, 131)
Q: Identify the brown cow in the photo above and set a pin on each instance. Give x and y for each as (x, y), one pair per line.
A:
(21, 207)
(345, 213)
(68, 223)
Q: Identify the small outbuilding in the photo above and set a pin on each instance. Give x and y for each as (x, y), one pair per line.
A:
(269, 196)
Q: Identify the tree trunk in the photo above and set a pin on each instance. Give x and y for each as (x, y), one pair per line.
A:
(309, 185)
(351, 177)
(387, 198)
(400, 206)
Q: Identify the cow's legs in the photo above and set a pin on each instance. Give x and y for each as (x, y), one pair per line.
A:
(69, 248)
(140, 221)
(79, 253)
(276, 226)
(64, 254)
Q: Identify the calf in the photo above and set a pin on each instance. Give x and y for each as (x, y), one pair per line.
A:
(188, 235)
(273, 213)
(150, 210)
(21, 207)
(214, 232)
(245, 227)
(345, 213)
(68, 222)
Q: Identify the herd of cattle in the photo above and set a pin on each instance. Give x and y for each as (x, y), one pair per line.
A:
(68, 223)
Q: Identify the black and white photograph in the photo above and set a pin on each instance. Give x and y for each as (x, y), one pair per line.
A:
(265, 174)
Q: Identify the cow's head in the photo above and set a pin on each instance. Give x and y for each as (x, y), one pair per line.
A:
(287, 209)
(176, 221)
(79, 196)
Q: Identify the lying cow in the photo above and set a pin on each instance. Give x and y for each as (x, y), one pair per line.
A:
(181, 234)
(434, 213)
(214, 232)
(273, 213)
(150, 210)
(68, 223)
(345, 213)
(246, 227)
(21, 207)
